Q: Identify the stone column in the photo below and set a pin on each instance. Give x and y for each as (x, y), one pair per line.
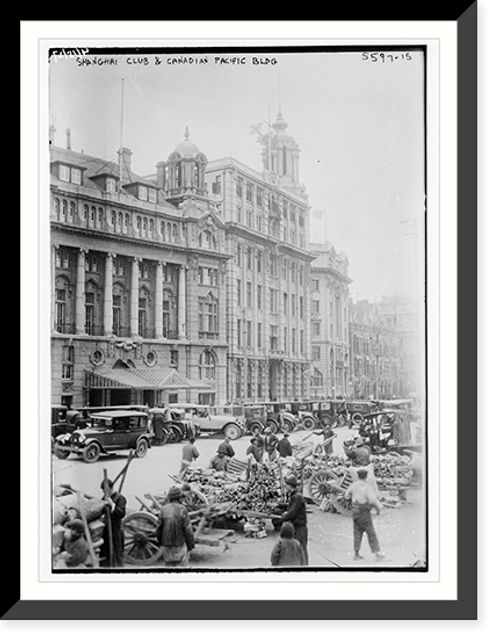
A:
(159, 300)
(108, 295)
(134, 299)
(80, 293)
(182, 302)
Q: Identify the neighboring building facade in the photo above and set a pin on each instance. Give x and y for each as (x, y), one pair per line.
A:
(267, 226)
(375, 353)
(401, 313)
(329, 298)
(138, 282)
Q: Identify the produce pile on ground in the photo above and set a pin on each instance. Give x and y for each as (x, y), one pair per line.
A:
(259, 493)
(392, 470)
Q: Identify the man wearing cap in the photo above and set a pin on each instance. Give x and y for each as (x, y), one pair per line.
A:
(284, 446)
(75, 549)
(270, 444)
(296, 513)
(175, 531)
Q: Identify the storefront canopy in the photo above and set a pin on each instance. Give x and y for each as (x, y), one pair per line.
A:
(160, 379)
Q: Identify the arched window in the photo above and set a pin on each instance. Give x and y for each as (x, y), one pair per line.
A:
(206, 240)
(57, 208)
(72, 212)
(207, 365)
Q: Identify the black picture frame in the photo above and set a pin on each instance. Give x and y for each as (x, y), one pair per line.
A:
(465, 606)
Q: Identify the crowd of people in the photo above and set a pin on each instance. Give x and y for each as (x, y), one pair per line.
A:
(175, 534)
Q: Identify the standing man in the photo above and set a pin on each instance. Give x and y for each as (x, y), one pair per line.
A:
(284, 447)
(189, 454)
(225, 451)
(175, 532)
(296, 513)
(116, 508)
(158, 423)
(364, 500)
(328, 436)
(270, 444)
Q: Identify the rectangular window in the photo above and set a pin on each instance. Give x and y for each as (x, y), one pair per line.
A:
(294, 300)
(259, 297)
(143, 193)
(316, 353)
(315, 306)
(249, 294)
(64, 173)
(238, 333)
(249, 192)
(316, 329)
(239, 187)
(238, 292)
(217, 185)
(315, 285)
(259, 197)
(76, 176)
(259, 335)
(273, 295)
(89, 313)
(273, 335)
(249, 334)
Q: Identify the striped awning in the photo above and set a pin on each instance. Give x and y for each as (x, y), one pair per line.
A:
(104, 377)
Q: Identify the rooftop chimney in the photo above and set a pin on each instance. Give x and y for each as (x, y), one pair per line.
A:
(68, 139)
(125, 156)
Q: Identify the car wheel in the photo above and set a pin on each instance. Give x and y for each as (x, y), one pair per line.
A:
(308, 423)
(91, 453)
(325, 420)
(256, 425)
(175, 434)
(60, 453)
(141, 449)
(273, 425)
(232, 431)
(357, 419)
(288, 426)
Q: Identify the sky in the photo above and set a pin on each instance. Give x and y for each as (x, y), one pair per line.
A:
(359, 121)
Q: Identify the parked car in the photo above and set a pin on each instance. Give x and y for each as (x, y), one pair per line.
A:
(211, 422)
(180, 428)
(107, 432)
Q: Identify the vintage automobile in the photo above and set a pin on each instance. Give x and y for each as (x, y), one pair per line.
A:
(211, 422)
(180, 427)
(302, 411)
(107, 432)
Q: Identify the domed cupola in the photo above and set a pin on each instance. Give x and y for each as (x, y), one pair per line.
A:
(185, 171)
(282, 159)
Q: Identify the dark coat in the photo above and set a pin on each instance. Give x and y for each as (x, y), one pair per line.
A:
(288, 552)
(117, 513)
(174, 526)
(285, 448)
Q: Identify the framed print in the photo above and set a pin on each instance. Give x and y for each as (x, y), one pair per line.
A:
(245, 322)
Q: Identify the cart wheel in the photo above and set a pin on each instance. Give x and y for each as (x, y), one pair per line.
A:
(141, 546)
(338, 499)
(320, 485)
(194, 500)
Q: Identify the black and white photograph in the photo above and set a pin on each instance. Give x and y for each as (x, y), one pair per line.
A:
(236, 319)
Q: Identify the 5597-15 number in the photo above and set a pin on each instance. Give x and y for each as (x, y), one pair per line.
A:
(383, 57)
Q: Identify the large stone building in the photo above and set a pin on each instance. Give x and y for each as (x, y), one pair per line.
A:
(267, 231)
(329, 322)
(138, 282)
(375, 353)
(189, 284)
